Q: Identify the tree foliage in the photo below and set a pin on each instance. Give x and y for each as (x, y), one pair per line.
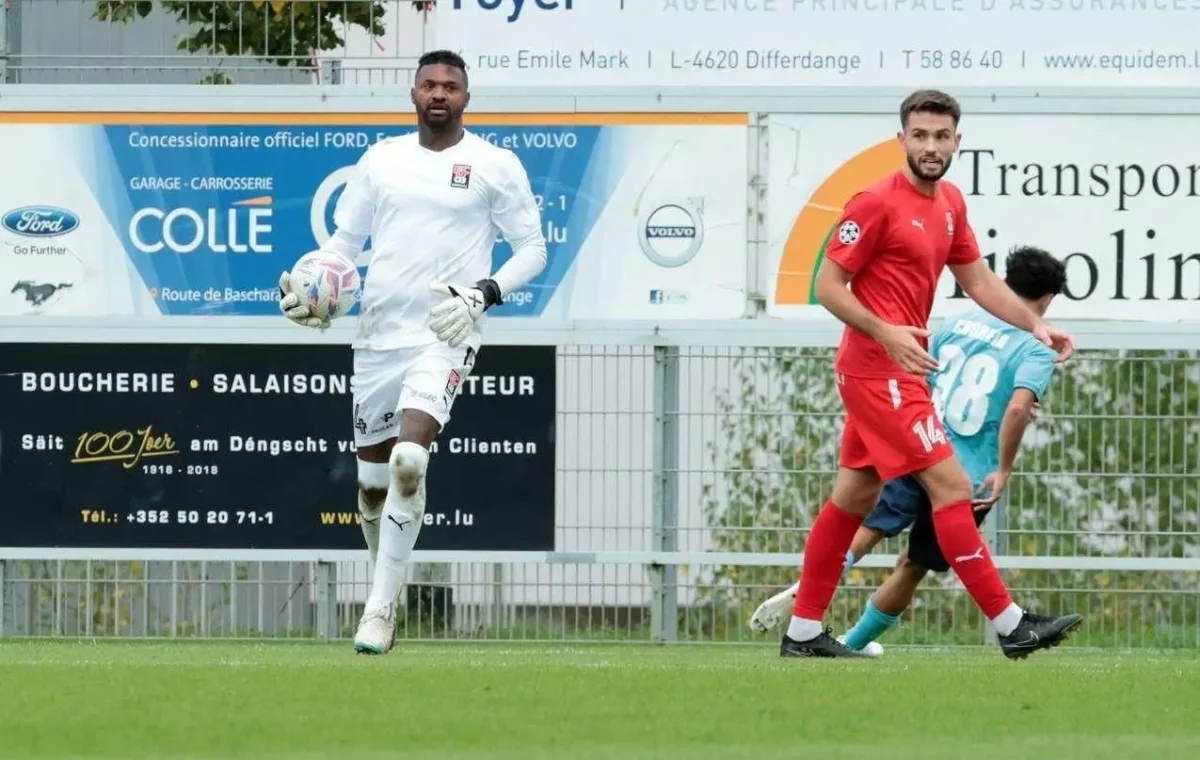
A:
(283, 32)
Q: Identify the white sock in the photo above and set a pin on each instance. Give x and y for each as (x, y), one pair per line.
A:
(1006, 622)
(369, 520)
(372, 476)
(403, 514)
(803, 630)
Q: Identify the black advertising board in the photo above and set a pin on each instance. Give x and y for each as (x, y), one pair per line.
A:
(251, 447)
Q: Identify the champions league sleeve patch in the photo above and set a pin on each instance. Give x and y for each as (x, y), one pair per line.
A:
(848, 233)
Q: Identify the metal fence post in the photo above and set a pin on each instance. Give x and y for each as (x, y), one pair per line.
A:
(758, 168)
(3, 41)
(325, 583)
(10, 41)
(4, 598)
(664, 603)
(330, 72)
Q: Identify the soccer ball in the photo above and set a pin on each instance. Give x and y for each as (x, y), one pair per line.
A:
(327, 283)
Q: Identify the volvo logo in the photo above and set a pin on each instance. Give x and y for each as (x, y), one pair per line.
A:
(671, 234)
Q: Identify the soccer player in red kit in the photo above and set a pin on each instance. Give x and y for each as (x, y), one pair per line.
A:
(890, 246)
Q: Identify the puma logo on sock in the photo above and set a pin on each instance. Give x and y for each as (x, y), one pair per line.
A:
(968, 557)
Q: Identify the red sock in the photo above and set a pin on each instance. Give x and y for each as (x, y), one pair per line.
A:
(824, 555)
(967, 552)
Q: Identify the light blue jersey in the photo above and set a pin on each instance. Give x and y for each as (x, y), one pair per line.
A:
(983, 360)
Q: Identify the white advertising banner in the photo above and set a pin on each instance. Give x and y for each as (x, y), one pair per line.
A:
(1116, 197)
(950, 43)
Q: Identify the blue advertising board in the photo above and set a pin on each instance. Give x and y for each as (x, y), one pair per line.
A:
(162, 215)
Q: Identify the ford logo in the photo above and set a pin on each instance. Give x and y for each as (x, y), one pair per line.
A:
(39, 221)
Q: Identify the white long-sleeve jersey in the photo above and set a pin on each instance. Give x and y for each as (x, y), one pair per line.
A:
(434, 216)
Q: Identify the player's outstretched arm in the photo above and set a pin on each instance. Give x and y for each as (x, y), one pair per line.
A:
(989, 291)
(1034, 372)
(515, 213)
(1016, 420)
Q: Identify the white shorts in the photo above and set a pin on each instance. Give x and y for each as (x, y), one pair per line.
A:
(426, 378)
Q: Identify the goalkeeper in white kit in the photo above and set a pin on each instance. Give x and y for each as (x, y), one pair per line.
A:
(432, 203)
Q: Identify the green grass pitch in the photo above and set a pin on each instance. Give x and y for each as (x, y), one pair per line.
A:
(208, 700)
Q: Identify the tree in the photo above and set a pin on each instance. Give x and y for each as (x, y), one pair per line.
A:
(285, 32)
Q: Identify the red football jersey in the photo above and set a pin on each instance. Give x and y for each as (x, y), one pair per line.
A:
(896, 241)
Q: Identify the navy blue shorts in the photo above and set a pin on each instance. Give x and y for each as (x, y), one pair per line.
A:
(904, 503)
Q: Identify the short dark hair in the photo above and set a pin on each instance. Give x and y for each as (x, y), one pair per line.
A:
(1033, 273)
(443, 57)
(930, 101)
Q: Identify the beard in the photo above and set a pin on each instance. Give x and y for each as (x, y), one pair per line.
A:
(929, 174)
(438, 120)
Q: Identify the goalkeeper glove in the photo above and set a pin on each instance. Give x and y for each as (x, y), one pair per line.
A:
(453, 318)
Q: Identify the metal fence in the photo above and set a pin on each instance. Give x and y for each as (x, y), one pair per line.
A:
(686, 477)
(686, 481)
(352, 42)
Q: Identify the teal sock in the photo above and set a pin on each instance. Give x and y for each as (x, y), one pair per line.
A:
(850, 560)
(869, 627)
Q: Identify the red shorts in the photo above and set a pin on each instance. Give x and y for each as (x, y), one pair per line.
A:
(891, 426)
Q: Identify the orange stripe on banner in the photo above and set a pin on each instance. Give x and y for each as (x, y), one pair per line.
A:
(804, 249)
(599, 119)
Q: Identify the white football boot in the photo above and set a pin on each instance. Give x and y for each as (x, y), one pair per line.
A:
(771, 612)
(376, 632)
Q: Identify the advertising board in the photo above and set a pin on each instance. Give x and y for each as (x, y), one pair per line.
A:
(197, 214)
(763, 43)
(1117, 197)
(251, 447)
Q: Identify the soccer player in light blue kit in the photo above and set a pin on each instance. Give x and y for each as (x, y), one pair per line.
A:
(991, 376)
